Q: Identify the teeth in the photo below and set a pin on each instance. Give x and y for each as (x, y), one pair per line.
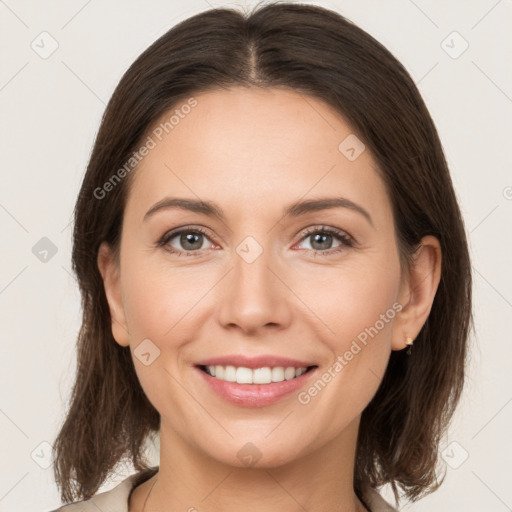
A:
(265, 375)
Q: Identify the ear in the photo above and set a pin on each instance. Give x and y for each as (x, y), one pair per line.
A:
(417, 292)
(110, 272)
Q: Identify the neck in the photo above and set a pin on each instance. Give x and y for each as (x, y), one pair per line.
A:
(191, 480)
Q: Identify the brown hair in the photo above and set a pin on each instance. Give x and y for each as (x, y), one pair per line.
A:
(319, 53)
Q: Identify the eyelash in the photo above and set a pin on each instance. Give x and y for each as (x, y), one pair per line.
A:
(347, 240)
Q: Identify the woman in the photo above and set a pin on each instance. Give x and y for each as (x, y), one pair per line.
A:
(274, 274)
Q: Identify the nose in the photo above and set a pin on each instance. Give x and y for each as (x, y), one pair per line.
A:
(254, 296)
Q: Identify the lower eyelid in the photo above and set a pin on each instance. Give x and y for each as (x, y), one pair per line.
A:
(342, 237)
(166, 239)
(346, 241)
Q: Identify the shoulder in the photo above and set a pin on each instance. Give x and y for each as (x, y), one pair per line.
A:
(376, 502)
(113, 500)
(116, 499)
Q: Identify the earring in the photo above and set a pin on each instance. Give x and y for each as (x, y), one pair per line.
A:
(409, 342)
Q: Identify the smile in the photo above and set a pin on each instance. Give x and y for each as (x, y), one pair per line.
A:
(263, 375)
(255, 387)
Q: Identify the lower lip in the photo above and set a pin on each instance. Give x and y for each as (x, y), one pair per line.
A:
(255, 395)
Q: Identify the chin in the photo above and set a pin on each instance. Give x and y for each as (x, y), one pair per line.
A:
(258, 453)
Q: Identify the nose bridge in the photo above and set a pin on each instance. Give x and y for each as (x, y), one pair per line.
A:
(255, 296)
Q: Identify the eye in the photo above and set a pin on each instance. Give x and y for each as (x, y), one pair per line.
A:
(322, 239)
(191, 240)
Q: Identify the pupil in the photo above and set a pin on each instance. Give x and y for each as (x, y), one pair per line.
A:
(319, 236)
(188, 240)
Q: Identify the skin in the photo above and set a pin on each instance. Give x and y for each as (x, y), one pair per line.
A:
(253, 152)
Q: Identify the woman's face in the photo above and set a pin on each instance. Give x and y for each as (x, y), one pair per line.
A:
(321, 286)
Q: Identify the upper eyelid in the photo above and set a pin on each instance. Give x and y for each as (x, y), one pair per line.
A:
(177, 231)
(307, 231)
(173, 233)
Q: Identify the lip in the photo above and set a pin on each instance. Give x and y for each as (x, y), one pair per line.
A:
(255, 395)
(255, 362)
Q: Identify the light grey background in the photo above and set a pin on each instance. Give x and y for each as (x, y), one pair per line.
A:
(50, 111)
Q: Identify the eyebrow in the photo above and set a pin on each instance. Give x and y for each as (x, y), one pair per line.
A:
(295, 209)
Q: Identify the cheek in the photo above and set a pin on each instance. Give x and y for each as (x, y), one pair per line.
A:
(353, 300)
(159, 298)
(359, 307)
(342, 303)
(364, 311)
(159, 306)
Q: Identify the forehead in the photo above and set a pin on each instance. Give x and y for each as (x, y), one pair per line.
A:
(249, 145)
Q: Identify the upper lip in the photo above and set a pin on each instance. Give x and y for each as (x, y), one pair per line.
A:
(254, 362)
